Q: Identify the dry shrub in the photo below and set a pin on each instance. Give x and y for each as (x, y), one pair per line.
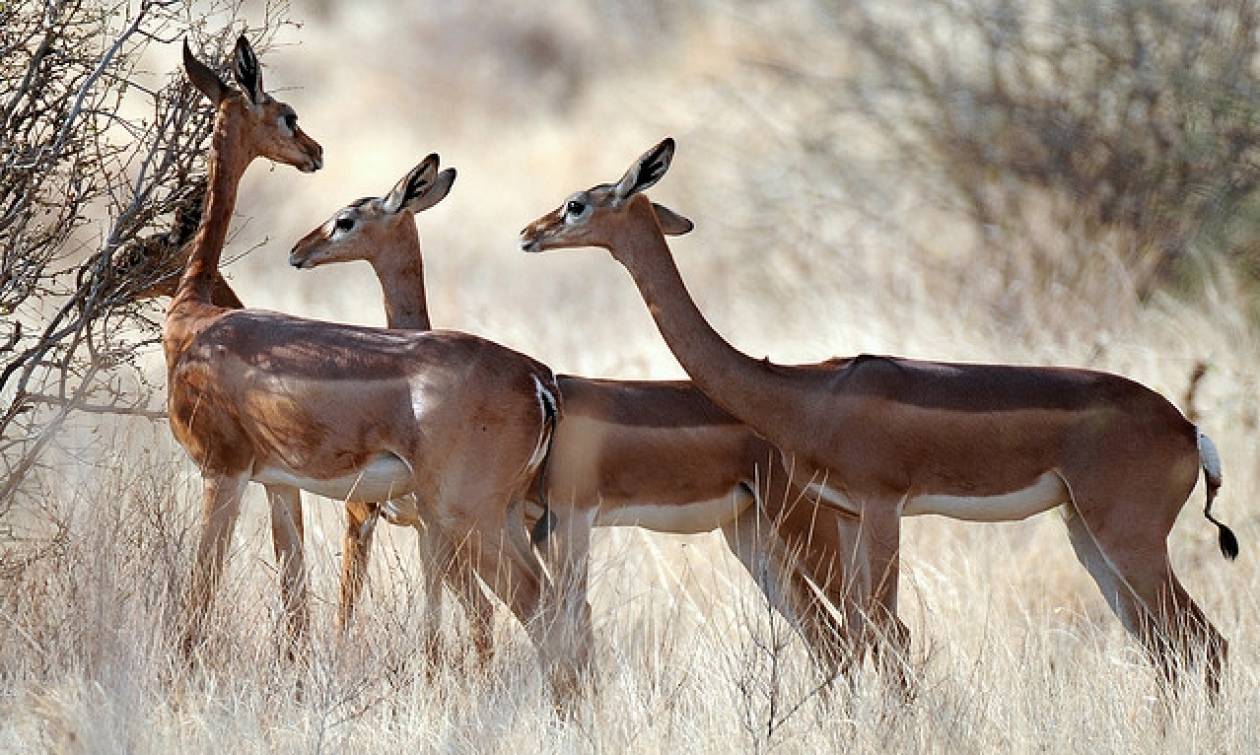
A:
(1135, 118)
(95, 152)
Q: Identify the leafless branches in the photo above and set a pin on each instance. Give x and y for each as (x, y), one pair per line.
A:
(94, 152)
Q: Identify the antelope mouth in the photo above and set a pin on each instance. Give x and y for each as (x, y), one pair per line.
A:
(312, 164)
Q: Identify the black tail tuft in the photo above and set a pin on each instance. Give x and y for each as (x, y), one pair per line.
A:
(1226, 539)
(547, 522)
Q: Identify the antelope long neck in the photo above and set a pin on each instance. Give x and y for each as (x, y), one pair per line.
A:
(750, 390)
(227, 163)
(401, 274)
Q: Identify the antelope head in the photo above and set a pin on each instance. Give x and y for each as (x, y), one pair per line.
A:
(264, 126)
(367, 228)
(594, 217)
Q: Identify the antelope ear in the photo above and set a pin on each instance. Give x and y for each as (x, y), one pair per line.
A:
(206, 81)
(417, 181)
(646, 171)
(672, 224)
(435, 193)
(245, 69)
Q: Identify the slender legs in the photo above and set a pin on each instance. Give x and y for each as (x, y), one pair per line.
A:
(752, 538)
(286, 536)
(567, 554)
(356, 547)
(446, 563)
(882, 631)
(517, 579)
(1131, 568)
(221, 505)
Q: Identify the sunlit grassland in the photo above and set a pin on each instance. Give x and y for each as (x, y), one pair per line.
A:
(1016, 649)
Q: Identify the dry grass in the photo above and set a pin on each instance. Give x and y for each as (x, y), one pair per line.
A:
(1017, 650)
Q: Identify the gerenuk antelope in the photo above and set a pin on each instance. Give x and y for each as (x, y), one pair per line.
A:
(346, 412)
(884, 437)
(152, 268)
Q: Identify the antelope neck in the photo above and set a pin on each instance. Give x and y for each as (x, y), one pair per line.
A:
(401, 275)
(227, 163)
(752, 391)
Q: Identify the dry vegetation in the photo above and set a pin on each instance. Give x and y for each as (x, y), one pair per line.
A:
(1017, 650)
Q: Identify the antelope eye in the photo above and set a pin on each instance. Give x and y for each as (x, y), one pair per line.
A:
(344, 224)
(574, 208)
(290, 120)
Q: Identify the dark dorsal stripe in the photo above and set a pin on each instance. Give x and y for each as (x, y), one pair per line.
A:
(643, 403)
(977, 387)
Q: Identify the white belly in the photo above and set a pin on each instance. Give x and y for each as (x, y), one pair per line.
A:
(823, 494)
(1047, 492)
(678, 518)
(383, 478)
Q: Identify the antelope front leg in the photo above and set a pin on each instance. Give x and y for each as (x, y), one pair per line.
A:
(286, 536)
(221, 505)
(889, 638)
(356, 547)
(446, 564)
(566, 552)
(517, 579)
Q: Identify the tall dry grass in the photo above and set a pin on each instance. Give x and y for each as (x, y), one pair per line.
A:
(1016, 649)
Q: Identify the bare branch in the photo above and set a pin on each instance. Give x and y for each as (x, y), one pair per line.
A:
(122, 411)
(95, 156)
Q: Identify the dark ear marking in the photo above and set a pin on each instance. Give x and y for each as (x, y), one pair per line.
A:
(245, 68)
(647, 170)
(653, 165)
(434, 192)
(417, 181)
(206, 81)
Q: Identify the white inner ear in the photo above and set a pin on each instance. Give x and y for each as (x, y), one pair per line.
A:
(394, 200)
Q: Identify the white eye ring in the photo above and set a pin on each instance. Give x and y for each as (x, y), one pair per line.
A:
(342, 225)
(575, 209)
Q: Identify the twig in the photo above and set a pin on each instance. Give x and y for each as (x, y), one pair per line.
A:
(128, 411)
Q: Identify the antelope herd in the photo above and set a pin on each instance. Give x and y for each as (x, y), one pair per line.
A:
(503, 467)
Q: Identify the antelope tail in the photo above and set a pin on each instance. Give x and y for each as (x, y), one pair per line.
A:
(1210, 461)
(547, 522)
